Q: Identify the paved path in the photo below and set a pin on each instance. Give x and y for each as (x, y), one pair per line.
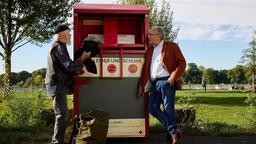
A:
(159, 138)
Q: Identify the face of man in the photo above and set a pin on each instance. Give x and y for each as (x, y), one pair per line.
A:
(65, 36)
(153, 37)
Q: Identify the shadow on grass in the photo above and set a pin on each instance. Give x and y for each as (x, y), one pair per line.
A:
(225, 101)
(209, 129)
(9, 135)
(214, 91)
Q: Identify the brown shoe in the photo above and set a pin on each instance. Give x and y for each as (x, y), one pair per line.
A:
(176, 136)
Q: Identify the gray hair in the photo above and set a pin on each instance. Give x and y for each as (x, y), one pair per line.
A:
(159, 30)
(56, 37)
(91, 38)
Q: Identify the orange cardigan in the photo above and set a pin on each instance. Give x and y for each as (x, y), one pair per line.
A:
(172, 60)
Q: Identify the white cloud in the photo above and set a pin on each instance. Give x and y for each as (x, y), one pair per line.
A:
(231, 12)
(200, 31)
(215, 19)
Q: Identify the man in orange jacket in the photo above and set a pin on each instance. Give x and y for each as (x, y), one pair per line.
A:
(160, 77)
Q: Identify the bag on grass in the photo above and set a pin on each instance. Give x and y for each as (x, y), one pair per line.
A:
(90, 127)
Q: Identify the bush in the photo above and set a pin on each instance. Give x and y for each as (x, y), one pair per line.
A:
(250, 116)
(185, 111)
(22, 111)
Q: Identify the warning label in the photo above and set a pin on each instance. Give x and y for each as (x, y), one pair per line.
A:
(111, 67)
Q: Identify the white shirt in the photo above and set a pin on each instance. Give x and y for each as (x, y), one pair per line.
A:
(156, 68)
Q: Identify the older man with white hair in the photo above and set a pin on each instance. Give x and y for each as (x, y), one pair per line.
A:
(160, 78)
(60, 77)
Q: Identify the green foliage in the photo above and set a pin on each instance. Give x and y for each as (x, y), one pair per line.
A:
(218, 113)
(249, 57)
(34, 20)
(28, 21)
(41, 71)
(38, 80)
(20, 84)
(237, 75)
(210, 75)
(1, 80)
(28, 82)
(192, 74)
(187, 100)
(133, 1)
(163, 17)
(223, 77)
(159, 16)
(26, 79)
(250, 116)
(22, 76)
(20, 112)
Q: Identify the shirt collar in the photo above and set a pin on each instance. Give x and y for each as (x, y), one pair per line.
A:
(160, 44)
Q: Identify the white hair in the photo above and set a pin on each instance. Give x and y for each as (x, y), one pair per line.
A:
(160, 30)
(56, 37)
(91, 38)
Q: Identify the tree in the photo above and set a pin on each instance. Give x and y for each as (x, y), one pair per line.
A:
(210, 75)
(162, 16)
(28, 82)
(249, 57)
(22, 76)
(237, 75)
(38, 80)
(13, 78)
(1, 80)
(223, 77)
(192, 74)
(41, 72)
(28, 21)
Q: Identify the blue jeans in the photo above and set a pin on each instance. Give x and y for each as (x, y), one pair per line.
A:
(162, 92)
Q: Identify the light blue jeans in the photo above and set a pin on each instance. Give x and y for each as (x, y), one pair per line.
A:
(162, 92)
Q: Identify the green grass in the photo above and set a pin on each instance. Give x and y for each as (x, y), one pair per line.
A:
(48, 100)
(217, 113)
(226, 107)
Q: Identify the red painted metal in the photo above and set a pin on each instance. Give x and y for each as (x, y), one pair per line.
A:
(78, 82)
(146, 116)
(117, 19)
(110, 9)
(146, 24)
(110, 30)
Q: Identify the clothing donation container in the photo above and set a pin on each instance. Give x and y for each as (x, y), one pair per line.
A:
(122, 30)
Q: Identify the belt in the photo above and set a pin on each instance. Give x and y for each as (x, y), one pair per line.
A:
(162, 78)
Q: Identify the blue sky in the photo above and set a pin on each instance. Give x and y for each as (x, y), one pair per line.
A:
(213, 33)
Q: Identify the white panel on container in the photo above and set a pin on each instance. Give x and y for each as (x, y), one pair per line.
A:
(125, 39)
(111, 67)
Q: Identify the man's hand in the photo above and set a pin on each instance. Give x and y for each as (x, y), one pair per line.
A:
(171, 81)
(79, 72)
(85, 55)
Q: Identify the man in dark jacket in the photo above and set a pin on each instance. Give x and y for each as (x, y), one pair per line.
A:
(60, 77)
(160, 77)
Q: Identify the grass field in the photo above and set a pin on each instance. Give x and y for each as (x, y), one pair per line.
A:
(226, 107)
(219, 113)
(214, 106)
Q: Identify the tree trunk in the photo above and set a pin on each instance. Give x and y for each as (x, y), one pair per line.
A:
(7, 75)
(253, 81)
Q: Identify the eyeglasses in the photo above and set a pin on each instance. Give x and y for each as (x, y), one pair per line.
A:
(151, 34)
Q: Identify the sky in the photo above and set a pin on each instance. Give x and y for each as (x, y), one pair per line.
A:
(213, 34)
